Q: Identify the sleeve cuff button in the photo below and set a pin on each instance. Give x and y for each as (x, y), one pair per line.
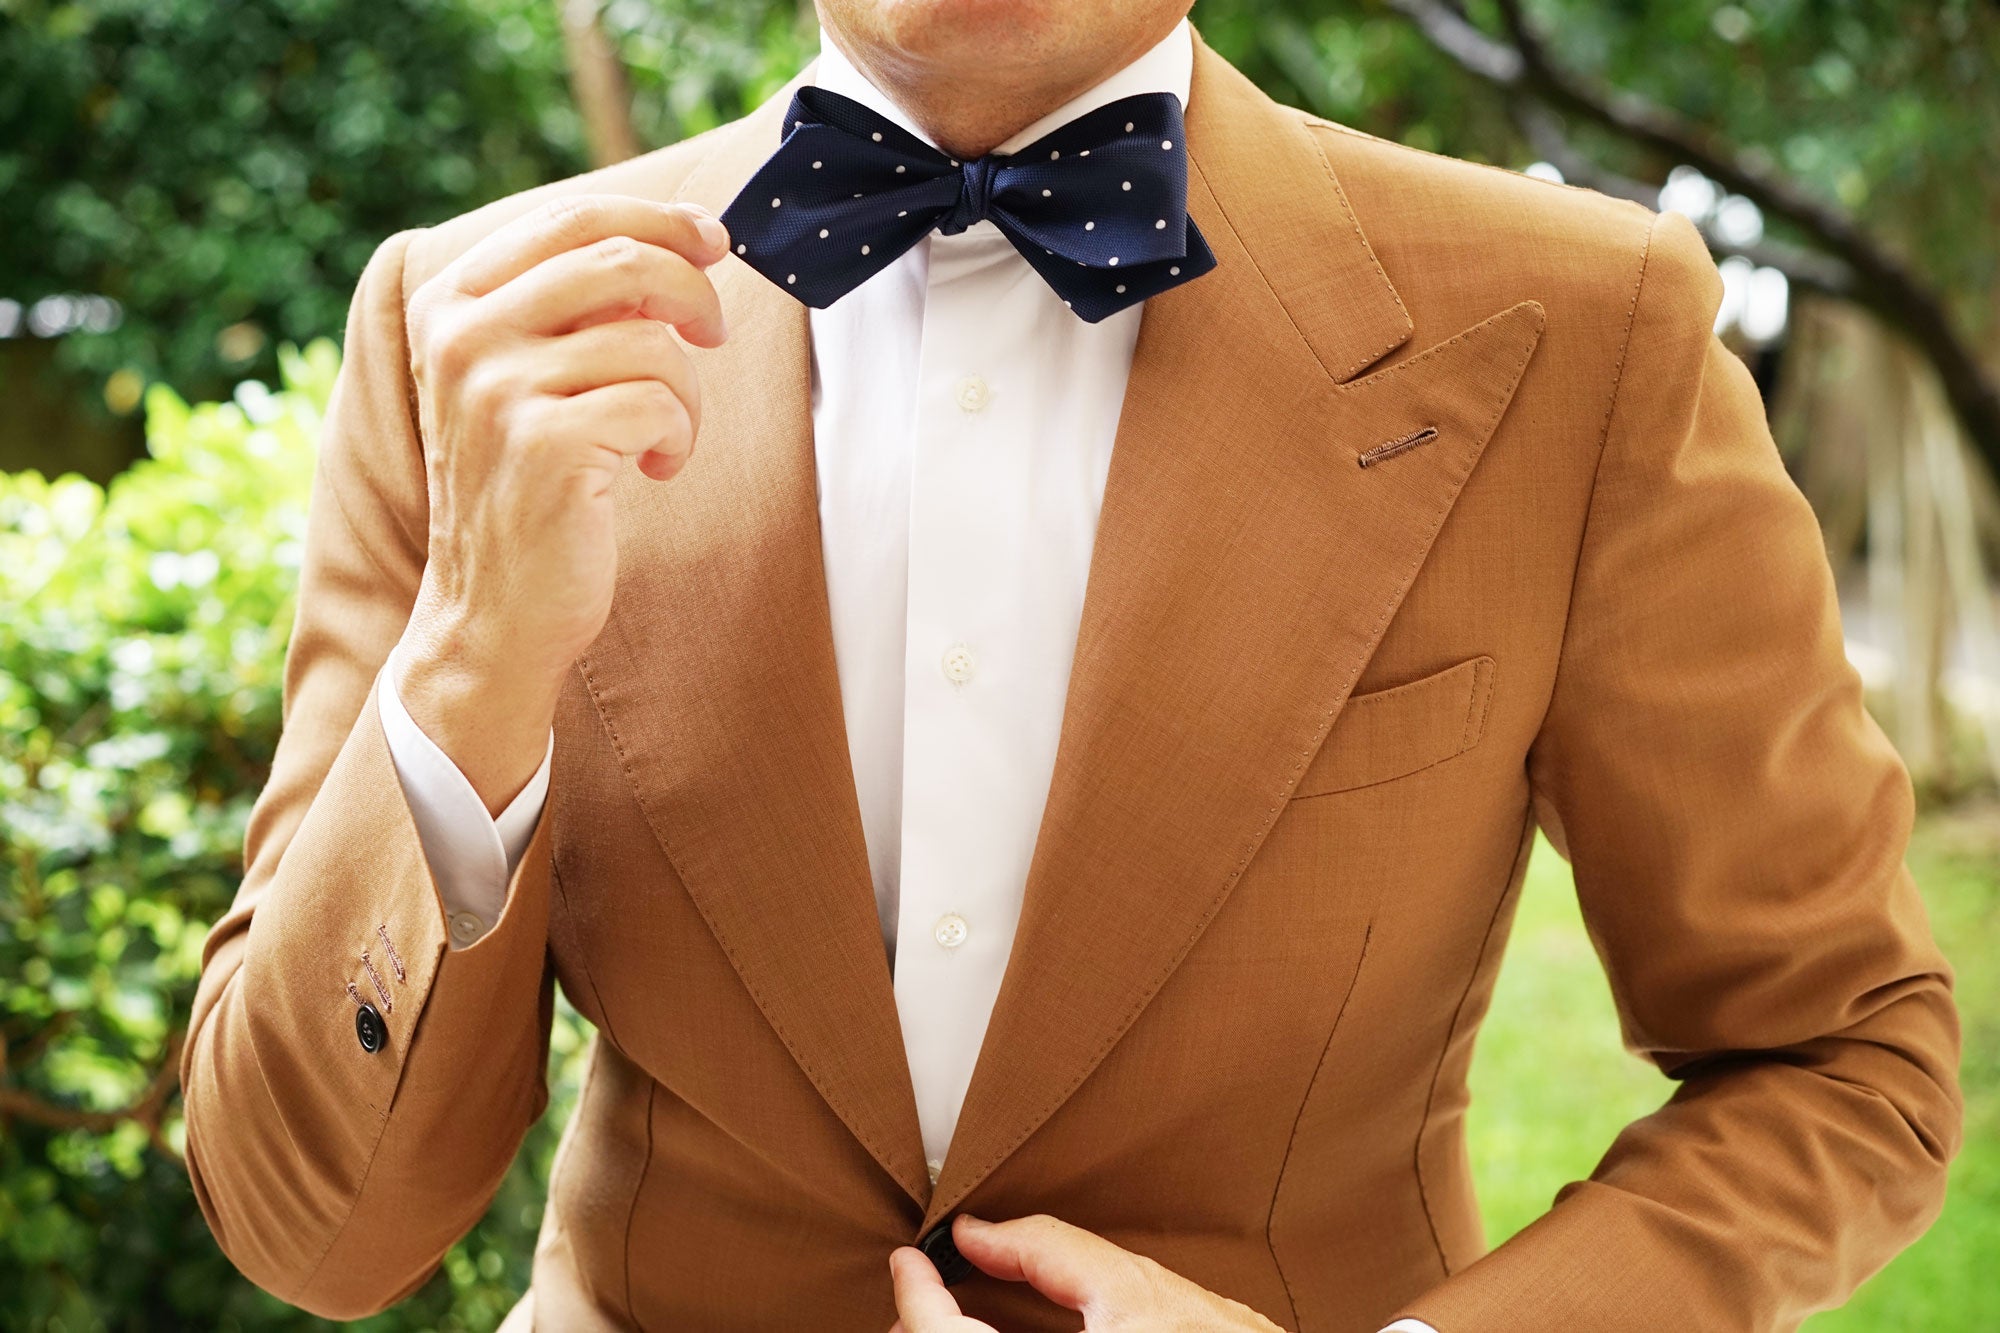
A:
(369, 1027)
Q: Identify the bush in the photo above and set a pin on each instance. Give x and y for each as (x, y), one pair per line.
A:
(141, 662)
(224, 170)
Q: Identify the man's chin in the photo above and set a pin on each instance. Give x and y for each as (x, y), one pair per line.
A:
(978, 37)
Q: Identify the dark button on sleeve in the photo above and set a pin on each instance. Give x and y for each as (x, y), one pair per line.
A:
(944, 1256)
(374, 1033)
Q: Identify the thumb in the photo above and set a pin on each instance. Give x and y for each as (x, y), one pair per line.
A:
(1066, 1264)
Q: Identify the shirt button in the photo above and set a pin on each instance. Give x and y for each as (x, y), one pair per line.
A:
(958, 664)
(972, 393)
(951, 930)
(465, 928)
(369, 1027)
(936, 1169)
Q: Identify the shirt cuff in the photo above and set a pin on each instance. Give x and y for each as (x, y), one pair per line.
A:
(471, 854)
(1409, 1326)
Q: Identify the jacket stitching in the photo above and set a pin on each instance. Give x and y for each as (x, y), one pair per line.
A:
(1377, 782)
(1458, 1014)
(381, 989)
(1387, 373)
(638, 1188)
(1597, 470)
(1631, 318)
(395, 963)
(1354, 222)
(1396, 446)
(583, 965)
(1195, 171)
(418, 542)
(1479, 705)
(1291, 1139)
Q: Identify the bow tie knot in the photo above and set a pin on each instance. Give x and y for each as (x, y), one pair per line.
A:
(848, 191)
(975, 195)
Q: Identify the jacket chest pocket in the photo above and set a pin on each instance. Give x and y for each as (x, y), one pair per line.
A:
(1386, 734)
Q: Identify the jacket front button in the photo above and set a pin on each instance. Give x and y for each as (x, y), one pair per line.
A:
(369, 1027)
(944, 1256)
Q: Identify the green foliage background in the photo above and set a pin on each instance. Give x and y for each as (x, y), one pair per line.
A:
(138, 706)
(140, 667)
(230, 166)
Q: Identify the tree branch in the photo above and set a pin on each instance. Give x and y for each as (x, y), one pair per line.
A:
(29, 1051)
(1458, 37)
(1803, 268)
(147, 1111)
(1877, 280)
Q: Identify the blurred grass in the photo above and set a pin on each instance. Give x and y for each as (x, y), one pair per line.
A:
(1552, 1011)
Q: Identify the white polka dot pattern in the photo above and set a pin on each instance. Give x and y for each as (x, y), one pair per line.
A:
(1105, 231)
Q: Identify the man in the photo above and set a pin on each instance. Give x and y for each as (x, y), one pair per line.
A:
(1064, 749)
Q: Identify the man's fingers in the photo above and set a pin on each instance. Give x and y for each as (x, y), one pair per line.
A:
(923, 1305)
(626, 419)
(630, 349)
(614, 278)
(1067, 1264)
(575, 221)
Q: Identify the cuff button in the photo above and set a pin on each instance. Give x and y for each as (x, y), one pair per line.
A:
(369, 1027)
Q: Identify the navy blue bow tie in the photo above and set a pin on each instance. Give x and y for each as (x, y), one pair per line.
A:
(1098, 206)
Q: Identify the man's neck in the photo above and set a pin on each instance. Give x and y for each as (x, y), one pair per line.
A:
(978, 116)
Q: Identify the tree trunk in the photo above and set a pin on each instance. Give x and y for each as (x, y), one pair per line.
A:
(597, 81)
(1972, 614)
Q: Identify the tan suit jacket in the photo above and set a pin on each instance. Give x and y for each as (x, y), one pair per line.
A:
(1435, 514)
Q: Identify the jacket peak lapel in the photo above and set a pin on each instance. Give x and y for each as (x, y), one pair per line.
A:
(1248, 559)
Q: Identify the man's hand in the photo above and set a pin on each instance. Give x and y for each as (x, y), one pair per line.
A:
(543, 358)
(1112, 1288)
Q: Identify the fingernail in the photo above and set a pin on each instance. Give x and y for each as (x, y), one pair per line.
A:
(711, 231)
(975, 1222)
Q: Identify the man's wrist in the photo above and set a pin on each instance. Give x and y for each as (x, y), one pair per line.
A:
(493, 725)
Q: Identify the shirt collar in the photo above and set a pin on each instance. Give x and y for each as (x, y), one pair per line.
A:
(1168, 66)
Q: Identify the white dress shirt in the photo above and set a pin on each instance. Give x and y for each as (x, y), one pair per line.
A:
(963, 422)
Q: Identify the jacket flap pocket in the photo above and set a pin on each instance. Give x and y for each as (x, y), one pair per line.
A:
(1391, 733)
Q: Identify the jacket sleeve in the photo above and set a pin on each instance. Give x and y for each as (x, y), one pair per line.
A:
(1737, 824)
(332, 1176)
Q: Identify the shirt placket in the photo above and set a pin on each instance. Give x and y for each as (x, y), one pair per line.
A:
(963, 859)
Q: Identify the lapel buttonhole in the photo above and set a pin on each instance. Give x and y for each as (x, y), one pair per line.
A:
(1391, 448)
